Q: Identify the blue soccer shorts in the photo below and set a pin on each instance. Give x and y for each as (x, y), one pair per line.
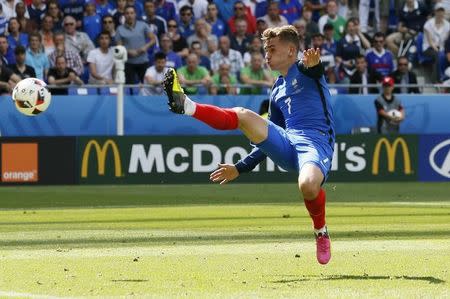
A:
(291, 151)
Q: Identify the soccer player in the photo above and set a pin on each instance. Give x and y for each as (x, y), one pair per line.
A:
(299, 135)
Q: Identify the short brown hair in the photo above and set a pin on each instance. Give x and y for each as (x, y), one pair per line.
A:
(286, 33)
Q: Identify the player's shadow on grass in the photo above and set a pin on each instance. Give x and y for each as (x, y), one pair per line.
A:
(429, 279)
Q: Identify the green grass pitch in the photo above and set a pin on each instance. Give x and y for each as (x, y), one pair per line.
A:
(389, 240)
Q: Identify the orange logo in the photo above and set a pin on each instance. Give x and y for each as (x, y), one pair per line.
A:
(19, 162)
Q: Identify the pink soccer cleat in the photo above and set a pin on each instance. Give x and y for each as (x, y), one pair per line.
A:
(323, 248)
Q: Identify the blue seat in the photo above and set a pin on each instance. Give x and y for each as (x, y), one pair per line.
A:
(419, 43)
(82, 91)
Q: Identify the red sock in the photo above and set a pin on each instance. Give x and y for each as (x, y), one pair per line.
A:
(316, 209)
(218, 118)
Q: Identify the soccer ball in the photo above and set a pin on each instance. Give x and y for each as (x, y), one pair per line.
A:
(395, 113)
(31, 96)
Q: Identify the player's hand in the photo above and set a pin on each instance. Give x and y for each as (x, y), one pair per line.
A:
(224, 174)
(311, 57)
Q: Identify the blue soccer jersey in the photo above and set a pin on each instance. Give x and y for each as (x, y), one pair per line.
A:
(382, 62)
(300, 115)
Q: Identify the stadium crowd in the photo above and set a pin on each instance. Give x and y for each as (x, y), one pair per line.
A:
(215, 45)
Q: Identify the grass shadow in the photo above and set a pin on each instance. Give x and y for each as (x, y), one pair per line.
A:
(429, 279)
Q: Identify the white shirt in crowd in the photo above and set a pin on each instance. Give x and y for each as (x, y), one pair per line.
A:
(155, 75)
(438, 35)
(103, 63)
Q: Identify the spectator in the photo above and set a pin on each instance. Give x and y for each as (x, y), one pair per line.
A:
(199, 7)
(256, 75)
(333, 18)
(317, 7)
(109, 26)
(300, 25)
(378, 58)
(226, 9)
(403, 76)
(186, 26)
(436, 31)
(55, 11)
(3, 21)
(255, 46)
(291, 10)
(119, 12)
(9, 8)
(349, 47)
(223, 82)
(22, 16)
(218, 27)
(73, 59)
(311, 26)
(240, 40)
(157, 24)
(412, 17)
(389, 108)
(343, 9)
(326, 57)
(101, 61)
(137, 38)
(46, 33)
(154, 76)
(202, 34)
(273, 17)
(226, 55)
(204, 60)
(180, 45)
(166, 10)
(76, 41)
(192, 75)
(364, 11)
(37, 11)
(329, 42)
(91, 21)
(242, 13)
(363, 75)
(261, 25)
(8, 80)
(172, 59)
(20, 68)
(73, 8)
(138, 8)
(62, 75)
(36, 57)
(16, 37)
(104, 8)
(6, 53)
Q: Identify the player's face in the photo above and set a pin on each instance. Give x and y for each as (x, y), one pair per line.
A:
(276, 53)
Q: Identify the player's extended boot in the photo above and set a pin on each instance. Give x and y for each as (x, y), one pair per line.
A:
(174, 91)
(323, 247)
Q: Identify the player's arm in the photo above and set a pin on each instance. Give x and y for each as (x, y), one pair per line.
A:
(311, 65)
(256, 156)
(228, 172)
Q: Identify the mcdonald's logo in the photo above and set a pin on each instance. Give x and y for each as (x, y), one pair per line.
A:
(391, 150)
(101, 152)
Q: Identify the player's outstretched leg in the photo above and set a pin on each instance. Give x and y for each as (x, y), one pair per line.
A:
(216, 117)
(250, 123)
(310, 179)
